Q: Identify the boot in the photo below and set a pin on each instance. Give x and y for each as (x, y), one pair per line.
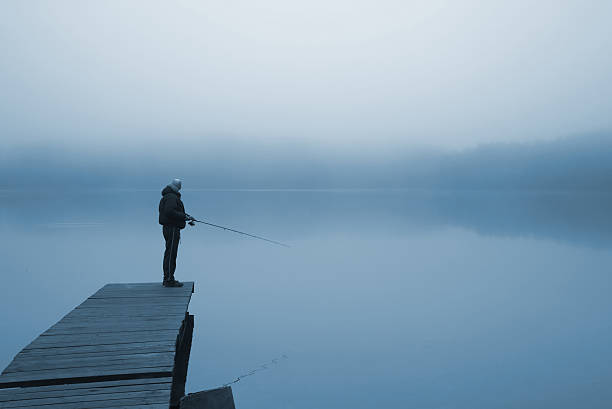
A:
(172, 283)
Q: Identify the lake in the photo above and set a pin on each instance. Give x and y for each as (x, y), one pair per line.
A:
(386, 298)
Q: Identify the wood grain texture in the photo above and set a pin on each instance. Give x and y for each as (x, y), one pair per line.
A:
(12, 394)
(115, 350)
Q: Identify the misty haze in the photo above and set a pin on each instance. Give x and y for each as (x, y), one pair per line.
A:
(441, 171)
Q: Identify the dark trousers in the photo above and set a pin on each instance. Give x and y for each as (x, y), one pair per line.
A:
(172, 236)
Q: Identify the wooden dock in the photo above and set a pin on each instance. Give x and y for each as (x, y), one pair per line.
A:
(126, 346)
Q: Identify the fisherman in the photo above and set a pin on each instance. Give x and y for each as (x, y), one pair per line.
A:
(172, 217)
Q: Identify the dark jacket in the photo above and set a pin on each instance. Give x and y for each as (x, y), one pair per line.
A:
(171, 209)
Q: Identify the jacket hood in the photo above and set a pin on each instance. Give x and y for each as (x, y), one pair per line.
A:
(168, 189)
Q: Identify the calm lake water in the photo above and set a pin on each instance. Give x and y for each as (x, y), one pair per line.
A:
(386, 299)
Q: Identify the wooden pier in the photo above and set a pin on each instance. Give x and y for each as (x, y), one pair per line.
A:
(126, 346)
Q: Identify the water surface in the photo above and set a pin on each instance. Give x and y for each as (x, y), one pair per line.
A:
(386, 298)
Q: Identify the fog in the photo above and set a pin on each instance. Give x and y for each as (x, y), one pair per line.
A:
(580, 163)
(374, 75)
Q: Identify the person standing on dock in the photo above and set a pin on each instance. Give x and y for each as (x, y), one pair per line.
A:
(172, 217)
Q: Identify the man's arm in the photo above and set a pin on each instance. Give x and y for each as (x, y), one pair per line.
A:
(172, 209)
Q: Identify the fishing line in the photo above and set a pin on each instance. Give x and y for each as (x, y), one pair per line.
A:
(261, 367)
(239, 232)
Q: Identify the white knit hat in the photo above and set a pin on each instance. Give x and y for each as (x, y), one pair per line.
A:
(176, 185)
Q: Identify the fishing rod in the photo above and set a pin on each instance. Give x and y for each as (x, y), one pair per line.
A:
(193, 219)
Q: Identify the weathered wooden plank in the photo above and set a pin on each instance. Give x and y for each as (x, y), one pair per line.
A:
(154, 287)
(188, 287)
(135, 398)
(91, 314)
(136, 304)
(133, 305)
(111, 335)
(113, 321)
(99, 344)
(105, 405)
(91, 374)
(101, 339)
(122, 406)
(89, 362)
(94, 388)
(155, 396)
(77, 387)
(157, 289)
(93, 342)
(151, 309)
(63, 362)
(141, 298)
(112, 349)
(155, 368)
(127, 311)
(133, 352)
(88, 358)
(151, 287)
(128, 295)
(174, 307)
(161, 292)
(137, 406)
(35, 392)
(107, 303)
(109, 329)
(141, 286)
(131, 295)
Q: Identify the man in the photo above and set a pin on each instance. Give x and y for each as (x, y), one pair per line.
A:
(172, 217)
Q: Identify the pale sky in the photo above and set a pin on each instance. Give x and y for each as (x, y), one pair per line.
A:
(349, 73)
